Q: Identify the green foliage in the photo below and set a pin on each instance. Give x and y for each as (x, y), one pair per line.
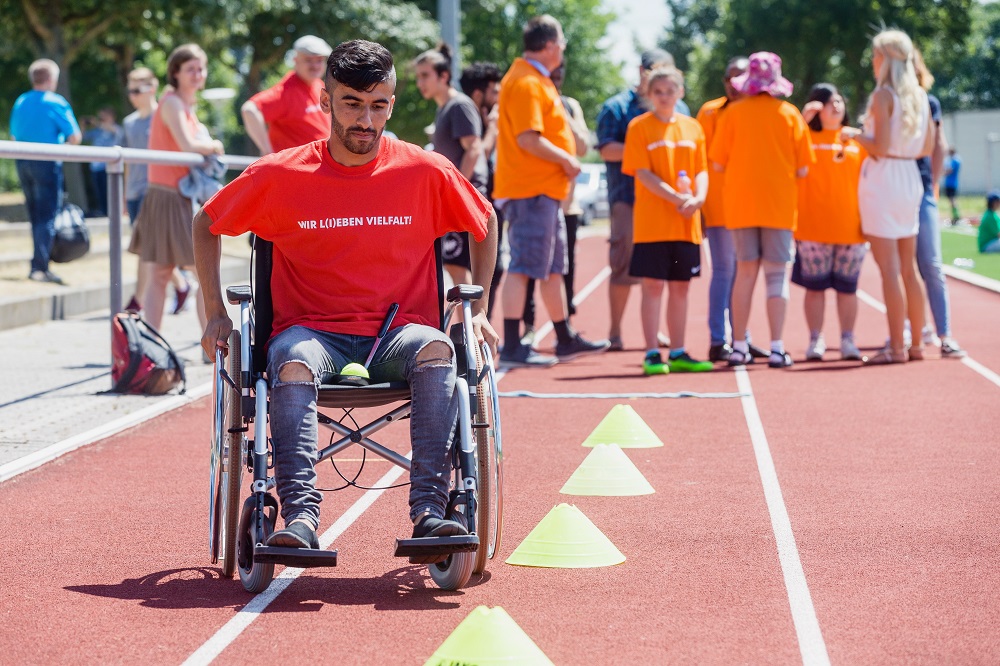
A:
(817, 41)
(968, 77)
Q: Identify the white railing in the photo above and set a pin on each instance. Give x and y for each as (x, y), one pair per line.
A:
(116, 158)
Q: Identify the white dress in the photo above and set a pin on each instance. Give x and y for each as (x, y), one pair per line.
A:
(890, 189)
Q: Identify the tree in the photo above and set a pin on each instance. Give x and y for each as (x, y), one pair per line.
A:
(826, 41)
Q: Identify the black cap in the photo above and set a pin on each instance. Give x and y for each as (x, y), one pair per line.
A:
(992, 196)
(654, 57)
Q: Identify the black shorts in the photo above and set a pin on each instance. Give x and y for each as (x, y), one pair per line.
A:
(455, 249)
(676, 261)
(950, 191)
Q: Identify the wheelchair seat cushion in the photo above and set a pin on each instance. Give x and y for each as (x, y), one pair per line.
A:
(372, 395)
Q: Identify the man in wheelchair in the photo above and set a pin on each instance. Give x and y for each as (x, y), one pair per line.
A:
(353, 221)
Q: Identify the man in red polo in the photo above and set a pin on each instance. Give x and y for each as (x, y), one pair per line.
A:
(288, 114)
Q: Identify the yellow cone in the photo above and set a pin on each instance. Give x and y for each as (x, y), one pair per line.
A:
(608, 472)
(488, 636)
(566, 539)
(622, 426)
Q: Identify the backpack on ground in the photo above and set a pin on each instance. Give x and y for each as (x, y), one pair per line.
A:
(143, 361)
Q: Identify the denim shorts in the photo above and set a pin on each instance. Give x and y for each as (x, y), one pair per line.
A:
(755, 243)
(536, 234)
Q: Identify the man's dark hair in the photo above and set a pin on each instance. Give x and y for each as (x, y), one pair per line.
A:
(539, 31)
(439, 58)
(478, 76)
(361, 65)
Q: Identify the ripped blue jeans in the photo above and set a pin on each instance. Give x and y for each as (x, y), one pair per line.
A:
(294, 429)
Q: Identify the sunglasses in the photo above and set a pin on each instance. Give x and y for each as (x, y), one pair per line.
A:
(137, 91)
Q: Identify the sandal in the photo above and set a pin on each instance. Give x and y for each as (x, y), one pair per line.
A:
(885, 357)
(737, 357)
(916, 353)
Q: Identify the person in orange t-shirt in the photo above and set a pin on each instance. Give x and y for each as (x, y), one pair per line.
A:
(665, 152)
(720, 240)
(829, 244)
(353, 221)
(536, 162)
(763, 146)
(288, 113)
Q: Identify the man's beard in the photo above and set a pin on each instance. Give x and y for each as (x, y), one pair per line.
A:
(350, 137)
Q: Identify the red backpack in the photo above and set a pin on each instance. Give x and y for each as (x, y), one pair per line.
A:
(143, 361)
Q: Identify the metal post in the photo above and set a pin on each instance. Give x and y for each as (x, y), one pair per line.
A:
(451, 34)
(116, 192)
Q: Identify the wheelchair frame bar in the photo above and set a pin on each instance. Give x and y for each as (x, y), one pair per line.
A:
(245, 368)
(468, 443)
(260, 439)
(360, 437)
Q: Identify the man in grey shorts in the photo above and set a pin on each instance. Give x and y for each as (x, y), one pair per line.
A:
(536, 163)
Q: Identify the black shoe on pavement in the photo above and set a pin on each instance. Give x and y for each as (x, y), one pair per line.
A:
(758, 352)
(523, 356)
(719, 353)
(577, 346)
(429, 526)
(295, 535)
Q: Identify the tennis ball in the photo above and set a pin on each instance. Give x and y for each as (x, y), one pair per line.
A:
(354, 370)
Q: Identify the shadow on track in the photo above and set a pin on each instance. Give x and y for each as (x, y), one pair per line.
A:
(406, 588)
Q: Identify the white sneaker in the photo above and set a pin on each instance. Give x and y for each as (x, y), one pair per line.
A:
(848, 350)
(929, 337)
(816, 349)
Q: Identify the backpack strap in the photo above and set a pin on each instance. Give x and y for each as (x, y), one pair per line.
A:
(131, 334)
(170, 352)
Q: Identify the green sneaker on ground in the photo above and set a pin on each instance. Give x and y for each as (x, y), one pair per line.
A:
(684, 363)
(653, 364)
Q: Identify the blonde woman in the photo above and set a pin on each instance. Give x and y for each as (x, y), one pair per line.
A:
(162, 234)
(897, 131)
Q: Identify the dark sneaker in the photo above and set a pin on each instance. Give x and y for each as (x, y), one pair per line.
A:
(721, 352)
(182, 296)
(429, 526)
(295, 535)
(684, 363)
(523, 356)
(758, 352)
(133, 306)
(779, 360)
(653, 365)
(615, 344)
(577, 346)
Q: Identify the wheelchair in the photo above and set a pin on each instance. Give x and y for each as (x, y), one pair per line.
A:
(238, 532)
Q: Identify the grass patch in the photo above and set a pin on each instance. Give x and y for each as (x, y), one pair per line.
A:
(960, 243)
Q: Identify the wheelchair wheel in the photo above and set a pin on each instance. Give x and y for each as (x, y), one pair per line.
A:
(255, 576)
(455, 572)
(489, 507)
(227, 462)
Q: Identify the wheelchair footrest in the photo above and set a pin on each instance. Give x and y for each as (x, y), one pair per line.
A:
(435, 549)
(295, 557)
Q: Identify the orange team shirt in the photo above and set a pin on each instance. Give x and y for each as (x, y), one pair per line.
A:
(708, 116)
(530, 101)
(292, 112)
(761, 141)
(160, 138)
(666, 149)
(828, 196)
(350, 241)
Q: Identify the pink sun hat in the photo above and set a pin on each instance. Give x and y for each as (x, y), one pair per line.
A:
(763, 75)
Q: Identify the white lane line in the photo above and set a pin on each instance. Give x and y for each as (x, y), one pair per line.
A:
(811, 644)
(578, 298)
(246, 615)
(53, 451)
(968, 361)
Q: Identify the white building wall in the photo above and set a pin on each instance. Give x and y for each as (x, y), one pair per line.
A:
(976, 137)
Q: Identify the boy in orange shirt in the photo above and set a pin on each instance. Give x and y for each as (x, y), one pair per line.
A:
(762, 144)
(663, 150)
(829, 244)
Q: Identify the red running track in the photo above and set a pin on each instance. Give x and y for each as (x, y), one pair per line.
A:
(888, 476)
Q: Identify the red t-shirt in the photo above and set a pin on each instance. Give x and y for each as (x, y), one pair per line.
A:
(350, 241)
(292, 112)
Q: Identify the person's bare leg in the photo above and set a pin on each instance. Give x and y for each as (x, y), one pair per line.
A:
(815, 305)
(746, 278)
(553, 290)
(649, 308)
(459, 274)
(155, 295)
(142, 280)
(886, 255)
(618, 299)
(913, 286)
(847, 312)
(677, 307)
